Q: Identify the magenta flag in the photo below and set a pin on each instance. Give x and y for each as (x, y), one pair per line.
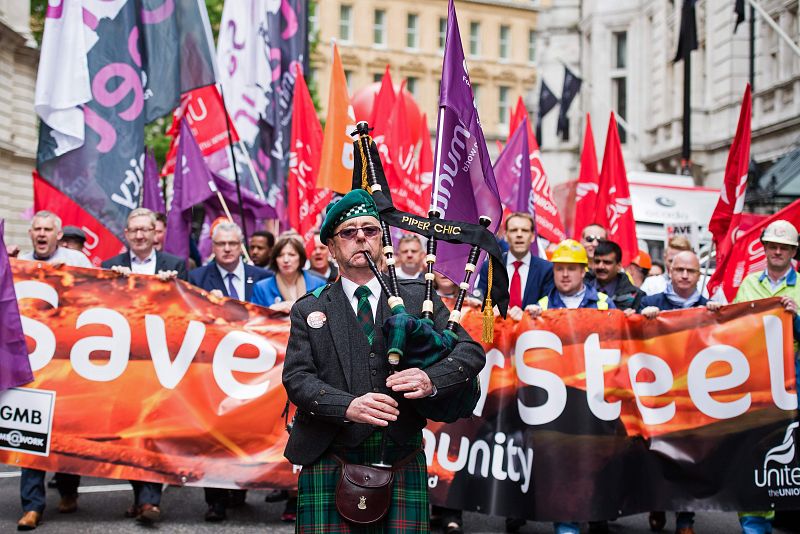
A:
(15, 368)
(193, 184)
(152, 198)
(464, 185)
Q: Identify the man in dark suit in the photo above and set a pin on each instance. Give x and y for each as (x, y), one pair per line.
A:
(531, 277)
(226, 275)
(141, 256)
(337, 374)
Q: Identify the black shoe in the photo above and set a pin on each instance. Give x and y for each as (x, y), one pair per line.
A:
(276, 495)
(216, 513)
(513, 524)
(598, 527)
(53, 482)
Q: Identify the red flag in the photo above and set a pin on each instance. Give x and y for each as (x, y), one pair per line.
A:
(204, 113)
(425, 161)
(305, 200)
(516, 118)
(548, 220)
(614, 210)
(382, 105)
(587, 186)
(100, 244)
(727, 215)
(401, 175)
(746, 255)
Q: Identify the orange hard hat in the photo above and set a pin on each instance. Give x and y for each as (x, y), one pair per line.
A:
(643, 260)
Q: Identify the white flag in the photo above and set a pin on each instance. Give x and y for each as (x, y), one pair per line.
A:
(243, 54)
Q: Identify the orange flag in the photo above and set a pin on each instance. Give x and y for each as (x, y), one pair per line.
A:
(336, 164)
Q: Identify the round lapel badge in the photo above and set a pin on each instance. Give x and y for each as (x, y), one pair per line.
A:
(316, 319)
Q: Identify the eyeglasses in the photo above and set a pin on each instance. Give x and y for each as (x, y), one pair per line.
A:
(223, 244)
(135, 231)
(590, 238)
(351, 233)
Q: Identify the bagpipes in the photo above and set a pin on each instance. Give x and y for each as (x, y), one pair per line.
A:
(413, 341)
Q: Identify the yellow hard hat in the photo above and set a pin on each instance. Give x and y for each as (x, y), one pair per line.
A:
(570, 251)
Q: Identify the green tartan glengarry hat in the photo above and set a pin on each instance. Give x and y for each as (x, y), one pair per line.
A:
(354, 204)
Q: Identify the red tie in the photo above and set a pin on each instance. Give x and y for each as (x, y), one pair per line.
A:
(515, 291)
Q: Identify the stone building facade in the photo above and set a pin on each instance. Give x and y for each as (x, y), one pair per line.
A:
(498, 37)
(19, 57)
(625, 57)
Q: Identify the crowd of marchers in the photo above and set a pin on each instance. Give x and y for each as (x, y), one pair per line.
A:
(276, 272)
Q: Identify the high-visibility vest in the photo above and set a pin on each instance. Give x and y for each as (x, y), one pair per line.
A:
(602, 301)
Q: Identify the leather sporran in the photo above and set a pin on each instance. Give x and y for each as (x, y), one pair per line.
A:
(363, 493)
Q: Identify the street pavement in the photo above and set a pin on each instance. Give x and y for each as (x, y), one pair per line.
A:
(102, 503)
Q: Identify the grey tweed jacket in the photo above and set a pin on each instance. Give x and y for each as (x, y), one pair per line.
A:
(327, 367)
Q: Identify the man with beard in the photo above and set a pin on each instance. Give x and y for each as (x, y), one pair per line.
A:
(609, 278)
(778, 280)
(261, 243)
(337, 374)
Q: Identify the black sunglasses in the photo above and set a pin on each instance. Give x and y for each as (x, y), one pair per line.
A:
(351, 233)
(590, 238)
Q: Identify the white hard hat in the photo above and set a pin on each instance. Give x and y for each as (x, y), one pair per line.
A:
(782, 232)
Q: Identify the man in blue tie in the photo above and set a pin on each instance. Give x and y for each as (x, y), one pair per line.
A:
(226, 275)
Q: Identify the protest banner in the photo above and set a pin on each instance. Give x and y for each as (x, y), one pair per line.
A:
(584, 414)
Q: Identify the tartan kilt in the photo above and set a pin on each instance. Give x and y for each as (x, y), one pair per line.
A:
(408, 510)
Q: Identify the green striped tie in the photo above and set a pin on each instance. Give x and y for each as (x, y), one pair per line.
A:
(364, 312)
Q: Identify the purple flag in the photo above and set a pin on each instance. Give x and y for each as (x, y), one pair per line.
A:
(152, 198)
(192, 184)
(107, 69)
(15, 367)
(464, 187)
(514, 178)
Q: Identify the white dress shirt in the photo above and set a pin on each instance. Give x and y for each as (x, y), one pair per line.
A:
(238, 279)
(350, 287)
(145, 266)
(523, 270)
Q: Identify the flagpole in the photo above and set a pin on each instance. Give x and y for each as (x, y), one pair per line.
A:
(235, 170)
(437, 161)
(705, 268)
(256, 182)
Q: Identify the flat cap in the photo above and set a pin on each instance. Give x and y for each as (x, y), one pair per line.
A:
(354, 204)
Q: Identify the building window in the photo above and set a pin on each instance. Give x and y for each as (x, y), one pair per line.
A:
(442, 33)
(476, 94)
(412, 34)
(348, 76)
(502, 106)
(619, 79)
(379, 29)
(411, 85)
(619, 92)
(345, 23)
(377, 77)
(474, 39)
(531, 46)
(505, 41)
(620, 50)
